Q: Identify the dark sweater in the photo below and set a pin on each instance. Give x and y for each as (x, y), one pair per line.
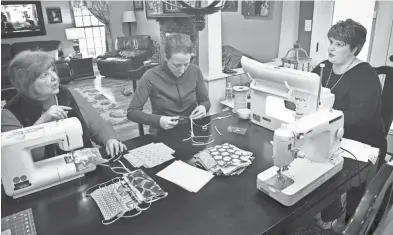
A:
(358, 96)
(169, 95)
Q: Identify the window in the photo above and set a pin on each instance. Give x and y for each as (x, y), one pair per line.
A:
(94, 42)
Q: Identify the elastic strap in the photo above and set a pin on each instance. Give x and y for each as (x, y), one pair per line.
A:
(107, 222)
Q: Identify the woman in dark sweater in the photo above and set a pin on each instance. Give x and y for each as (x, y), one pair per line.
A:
(41, 99)
(357, 91)
(175, 88)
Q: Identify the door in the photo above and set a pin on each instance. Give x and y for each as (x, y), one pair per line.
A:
(322, 21)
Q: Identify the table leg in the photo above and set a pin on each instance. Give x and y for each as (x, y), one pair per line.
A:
(140, 126)
(134, 84)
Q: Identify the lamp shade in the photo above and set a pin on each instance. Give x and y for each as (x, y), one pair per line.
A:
(75, 33)
(129, 16)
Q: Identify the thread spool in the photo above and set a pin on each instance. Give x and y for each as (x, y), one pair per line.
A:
(240, 94)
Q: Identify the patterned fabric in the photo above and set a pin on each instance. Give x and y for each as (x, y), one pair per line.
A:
(145, 185)
(225, 159)
(150, 155)
(125, 194)
(86, 158)
(109, 206)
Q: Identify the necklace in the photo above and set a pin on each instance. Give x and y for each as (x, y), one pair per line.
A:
(342, 75)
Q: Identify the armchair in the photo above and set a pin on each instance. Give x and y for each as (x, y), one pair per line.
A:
(129, 55)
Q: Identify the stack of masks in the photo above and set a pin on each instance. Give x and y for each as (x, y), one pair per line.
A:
(225, 159)
(127, 196)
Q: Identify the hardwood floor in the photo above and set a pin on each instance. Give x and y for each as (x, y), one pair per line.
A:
(111, 88)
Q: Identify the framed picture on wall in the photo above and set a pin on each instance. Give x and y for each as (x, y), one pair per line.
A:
(138, 5)
(256, 8)
(173, 6)
(21, 19)
(230, 6)
(54, 15)
(153, 8)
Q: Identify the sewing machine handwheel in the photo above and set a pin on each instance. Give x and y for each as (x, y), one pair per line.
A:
(340, 133)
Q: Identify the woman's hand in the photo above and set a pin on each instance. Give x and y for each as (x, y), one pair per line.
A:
(199, 112)
(114, 147)
(55, 112)
(168, 122)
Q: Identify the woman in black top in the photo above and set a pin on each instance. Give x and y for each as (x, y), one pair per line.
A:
(357, 91)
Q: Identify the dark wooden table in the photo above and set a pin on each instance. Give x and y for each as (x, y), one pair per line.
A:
(226, 205)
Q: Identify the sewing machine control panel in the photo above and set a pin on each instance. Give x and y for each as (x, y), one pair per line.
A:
(25, 134)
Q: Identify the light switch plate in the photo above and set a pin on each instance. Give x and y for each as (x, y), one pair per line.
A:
(307, 25)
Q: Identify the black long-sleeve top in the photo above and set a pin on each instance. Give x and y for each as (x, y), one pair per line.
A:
(358, 96)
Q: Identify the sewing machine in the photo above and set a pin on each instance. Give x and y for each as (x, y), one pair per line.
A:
(21, 176)
(272, 85)
(305, 155)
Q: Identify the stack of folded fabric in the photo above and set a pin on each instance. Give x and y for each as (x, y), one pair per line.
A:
(225, 159)
(150, 155)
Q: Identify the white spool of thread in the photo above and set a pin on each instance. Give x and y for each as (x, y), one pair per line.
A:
(240, 94)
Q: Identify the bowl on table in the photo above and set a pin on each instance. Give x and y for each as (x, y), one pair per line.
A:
(244, 113)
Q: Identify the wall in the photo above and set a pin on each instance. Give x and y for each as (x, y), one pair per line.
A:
(289, 26)
(118, 28)
(381, 35)
(258, 37)
(362, 13)
(146, 26)
(306, 13)
(53, 31)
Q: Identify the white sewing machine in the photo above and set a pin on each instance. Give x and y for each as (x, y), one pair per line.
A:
(20, 175)
(305, 154)
(272, 85)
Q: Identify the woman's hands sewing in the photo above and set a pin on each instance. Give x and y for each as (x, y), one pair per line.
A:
(114, 147)
(199, 112)
(168, 122)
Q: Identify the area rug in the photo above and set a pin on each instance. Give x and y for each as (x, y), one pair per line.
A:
(107, 109)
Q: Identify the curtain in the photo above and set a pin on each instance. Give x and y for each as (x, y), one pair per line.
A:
(100, 9)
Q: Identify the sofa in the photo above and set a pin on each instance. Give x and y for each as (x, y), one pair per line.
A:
(8, 51)
(129, 54)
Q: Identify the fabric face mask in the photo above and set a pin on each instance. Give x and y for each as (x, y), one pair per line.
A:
(124, 195)
(109, 206)
(115, 200)
(144, 187)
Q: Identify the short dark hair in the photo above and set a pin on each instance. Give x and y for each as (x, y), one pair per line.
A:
(349, 32)
(27, 66)
(178, 43)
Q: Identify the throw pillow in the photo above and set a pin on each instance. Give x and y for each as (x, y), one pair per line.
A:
(127, 54)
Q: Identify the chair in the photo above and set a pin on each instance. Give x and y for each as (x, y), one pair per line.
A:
(387, 96)
(373, 213)
(130, 54)
(375, 202)
(135, 75)
(231, 58)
